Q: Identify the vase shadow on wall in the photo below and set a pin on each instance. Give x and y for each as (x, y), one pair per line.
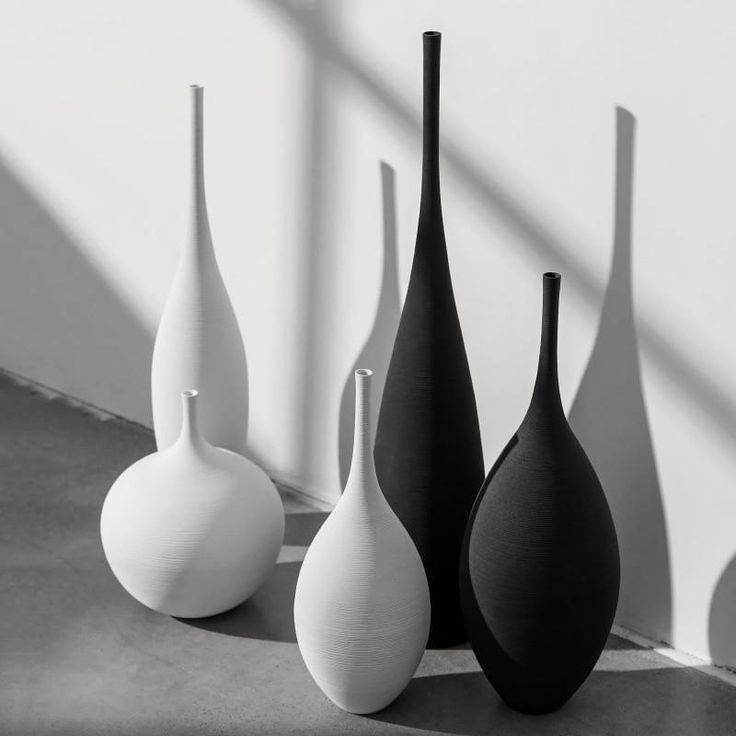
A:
(376, 351)
(314, 24)
(722, 621)
(609, 418)
(65, 312)
(268, 614)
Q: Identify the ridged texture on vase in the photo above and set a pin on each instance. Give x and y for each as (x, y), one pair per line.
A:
(361, 608)
(198, 343)
(428, 452)
(540, 566)
(192, 530)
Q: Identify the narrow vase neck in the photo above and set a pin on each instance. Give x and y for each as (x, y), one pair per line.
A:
(190, 434)
(546, 387)
(430, 202)
(200, 228)
(362, 468)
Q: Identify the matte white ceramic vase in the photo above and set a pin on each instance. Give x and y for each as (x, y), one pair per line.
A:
(361, 608)
(192, 530)
(198, 343)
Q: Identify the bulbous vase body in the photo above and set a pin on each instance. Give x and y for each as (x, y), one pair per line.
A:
(428, 453)
(192, 530)
(539, 576)
(198, 342)
(361, 608)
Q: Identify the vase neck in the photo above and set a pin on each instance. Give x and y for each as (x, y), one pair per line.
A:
(546, 387)
(362, 469)
(200, 232)
(190, 434)
(430, 200)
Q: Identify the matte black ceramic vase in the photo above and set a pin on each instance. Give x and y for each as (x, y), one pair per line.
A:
(428, 451)
(539, 576)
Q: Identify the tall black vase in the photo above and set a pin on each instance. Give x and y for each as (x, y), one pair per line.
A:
(428, 451)
(539, 575)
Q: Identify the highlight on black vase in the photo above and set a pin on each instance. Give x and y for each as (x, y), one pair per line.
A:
(539, 576)
(428, 450)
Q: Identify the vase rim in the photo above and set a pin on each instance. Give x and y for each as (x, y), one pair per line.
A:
(551, 276)
(196, 86)
(431, 34)
(363, 372)
(190, 393)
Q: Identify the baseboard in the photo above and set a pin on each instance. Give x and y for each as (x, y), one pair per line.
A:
(308, 498)
(104, 415)
(53, 393)
(725, 674)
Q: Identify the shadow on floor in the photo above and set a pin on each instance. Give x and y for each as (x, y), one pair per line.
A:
(671, 701)
(301, 529)
(376, 351)
(269, 614)
(610, 419)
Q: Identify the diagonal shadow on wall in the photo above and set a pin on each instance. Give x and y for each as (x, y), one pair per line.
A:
(610, 419)
(376, 351)
(56, 303)
(696, 385)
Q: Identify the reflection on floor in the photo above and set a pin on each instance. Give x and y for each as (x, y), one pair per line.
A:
(79, 656)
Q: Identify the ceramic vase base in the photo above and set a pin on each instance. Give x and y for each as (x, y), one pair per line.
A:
(358, 703)
(521, 705)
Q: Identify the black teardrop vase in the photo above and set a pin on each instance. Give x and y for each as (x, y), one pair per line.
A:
(428, 450)
(539, 576)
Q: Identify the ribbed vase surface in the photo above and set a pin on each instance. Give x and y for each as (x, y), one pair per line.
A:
(540, 566)
(361, 608)
(429, 457)
(198, 343)
(192, 530)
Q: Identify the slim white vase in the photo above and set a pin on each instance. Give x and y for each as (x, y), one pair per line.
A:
(198, 343)
(192, 530)
(361, 607)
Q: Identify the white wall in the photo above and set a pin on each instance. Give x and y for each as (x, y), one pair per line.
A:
(303, 102)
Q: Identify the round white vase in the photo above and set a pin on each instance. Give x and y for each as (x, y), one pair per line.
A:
(198, 342)
(361, 608)
(192, 530)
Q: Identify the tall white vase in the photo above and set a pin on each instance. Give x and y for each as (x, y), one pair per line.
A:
(198, 343)
(192, 530)
(361, 608)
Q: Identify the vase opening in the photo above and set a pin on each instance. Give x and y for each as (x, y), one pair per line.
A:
(552, 276)
(363, 372)
(189, 417)
(431, 34)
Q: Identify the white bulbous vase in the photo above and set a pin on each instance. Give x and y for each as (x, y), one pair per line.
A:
(361, 608)
(192, 530)
(198, 343)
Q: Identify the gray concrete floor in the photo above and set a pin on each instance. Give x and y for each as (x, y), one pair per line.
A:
(79, 656)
